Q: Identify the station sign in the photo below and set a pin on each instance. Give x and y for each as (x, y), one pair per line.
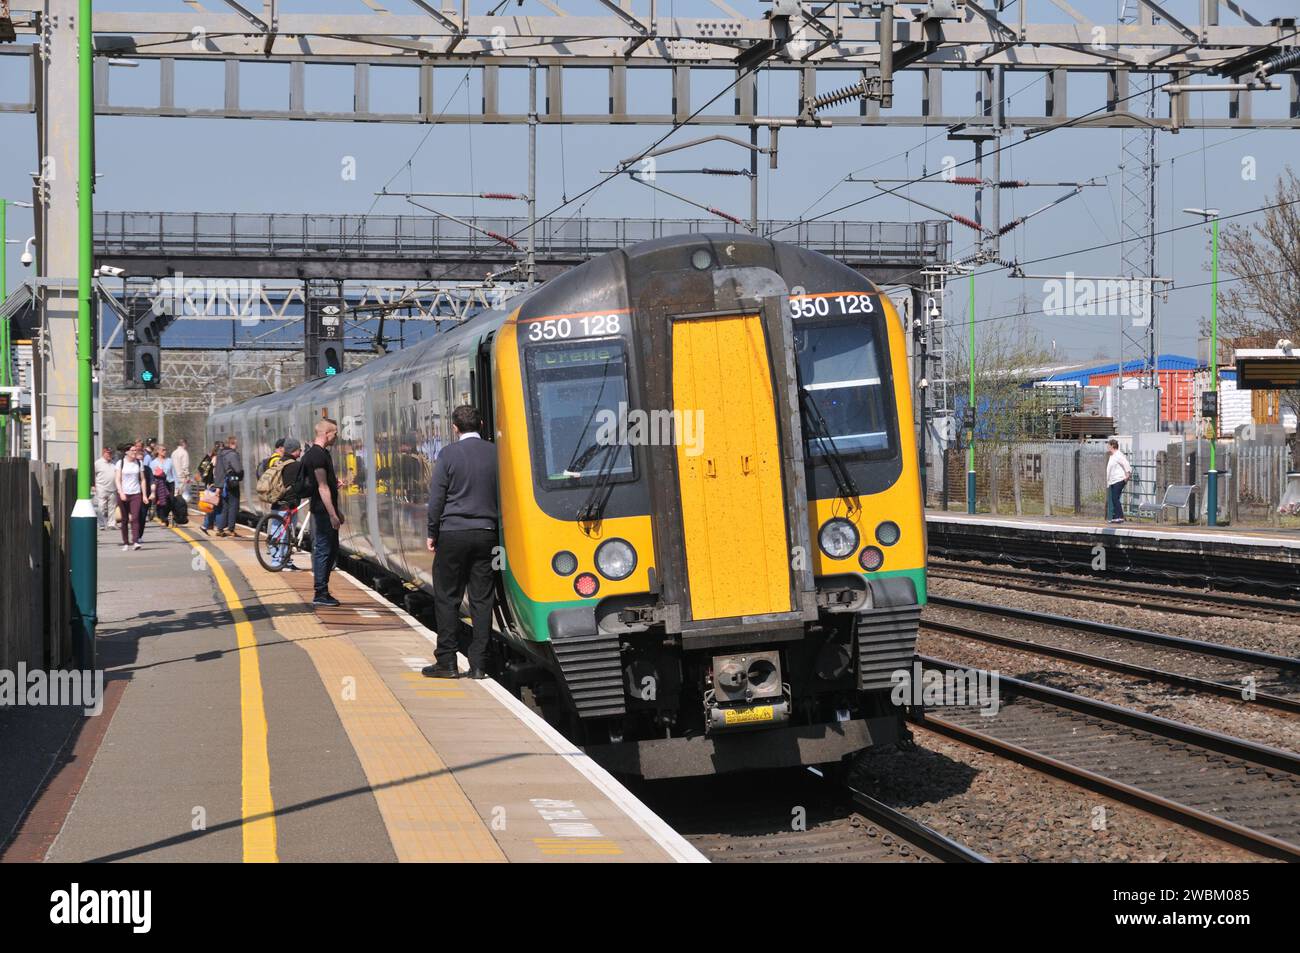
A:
(1210, 404)
(1268, 368)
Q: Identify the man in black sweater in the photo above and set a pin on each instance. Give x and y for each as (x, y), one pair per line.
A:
(462, 535)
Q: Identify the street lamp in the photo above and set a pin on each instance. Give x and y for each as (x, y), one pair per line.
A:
(1211, 215)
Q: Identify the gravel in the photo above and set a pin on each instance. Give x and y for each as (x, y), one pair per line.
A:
(1263, 635)
(1009, 812)
(1242, 719)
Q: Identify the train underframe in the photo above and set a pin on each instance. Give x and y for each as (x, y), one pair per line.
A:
(654, 704)
(646, 703)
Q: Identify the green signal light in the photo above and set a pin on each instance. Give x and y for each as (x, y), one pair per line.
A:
(331, 371)
(146, 376)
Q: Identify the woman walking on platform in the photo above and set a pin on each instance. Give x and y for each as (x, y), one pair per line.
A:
(134, 490)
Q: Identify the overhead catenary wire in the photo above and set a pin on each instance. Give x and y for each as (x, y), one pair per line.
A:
(1037, 135)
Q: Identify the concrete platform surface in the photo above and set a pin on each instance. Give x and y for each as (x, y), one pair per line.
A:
(250, 727)
(1228, 535)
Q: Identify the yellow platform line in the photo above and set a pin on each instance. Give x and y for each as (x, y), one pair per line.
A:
(426, 813)
(256, 805)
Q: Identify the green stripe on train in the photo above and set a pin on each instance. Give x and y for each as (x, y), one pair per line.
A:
(916, 575)
(533, 615)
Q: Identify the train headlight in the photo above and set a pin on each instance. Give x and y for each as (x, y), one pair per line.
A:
(838, 538)
(887, 533)
(615, 559)
(564, 563)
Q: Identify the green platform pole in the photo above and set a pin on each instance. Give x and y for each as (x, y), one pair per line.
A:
(84, 542)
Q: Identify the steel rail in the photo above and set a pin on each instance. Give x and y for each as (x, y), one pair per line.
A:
(927, 838)
(1279, 702)
(1234, 652)
(1027, 578)
(1221, 828)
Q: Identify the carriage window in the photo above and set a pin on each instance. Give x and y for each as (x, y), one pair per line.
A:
(578, 390)
(840, 374)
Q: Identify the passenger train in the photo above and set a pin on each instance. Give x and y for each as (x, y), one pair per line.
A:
(711, 524)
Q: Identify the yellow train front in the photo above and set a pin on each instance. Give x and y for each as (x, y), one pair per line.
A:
(711, 516)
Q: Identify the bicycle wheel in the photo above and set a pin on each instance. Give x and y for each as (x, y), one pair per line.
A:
(271, 542)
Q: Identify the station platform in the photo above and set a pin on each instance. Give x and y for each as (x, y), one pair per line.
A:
(241, 724)
(1228, 557)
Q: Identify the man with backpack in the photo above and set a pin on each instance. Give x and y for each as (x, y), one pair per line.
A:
(229, 476)
(279, 485)
(276, 455)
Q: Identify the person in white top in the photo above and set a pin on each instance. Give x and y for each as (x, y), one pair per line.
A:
(1118, 472)
(181, 464)
(134, 491)
(106, 488)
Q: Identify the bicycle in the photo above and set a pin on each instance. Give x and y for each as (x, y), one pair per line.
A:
(276, 537)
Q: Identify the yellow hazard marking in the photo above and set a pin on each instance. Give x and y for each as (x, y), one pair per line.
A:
(427, 815)
(745, 716)
(577, 846)
(256, 805)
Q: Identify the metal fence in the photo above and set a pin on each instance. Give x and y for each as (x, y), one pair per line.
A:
(1060, 479)
(35, 583)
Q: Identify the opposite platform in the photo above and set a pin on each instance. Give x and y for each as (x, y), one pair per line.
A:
(244, 725)
(1190, 555)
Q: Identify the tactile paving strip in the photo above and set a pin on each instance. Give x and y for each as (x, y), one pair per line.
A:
(426, 812)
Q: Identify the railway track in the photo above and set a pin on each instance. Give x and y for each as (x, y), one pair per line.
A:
(1176, 599)
(795, 817)
(1216, 668)
(1237, 791)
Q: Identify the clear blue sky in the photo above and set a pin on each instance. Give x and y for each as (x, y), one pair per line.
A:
(222, 165)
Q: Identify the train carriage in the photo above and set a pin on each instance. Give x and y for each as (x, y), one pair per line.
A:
(712, 536)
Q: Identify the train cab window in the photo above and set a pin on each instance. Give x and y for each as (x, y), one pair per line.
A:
(840, 377)
(577, 389)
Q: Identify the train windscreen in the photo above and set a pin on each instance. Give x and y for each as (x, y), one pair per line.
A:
(839, 371)
(580, 395)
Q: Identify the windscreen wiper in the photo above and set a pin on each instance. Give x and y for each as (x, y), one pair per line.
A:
(835, 460)
(572, 469)
(580, 461)
(593, 508)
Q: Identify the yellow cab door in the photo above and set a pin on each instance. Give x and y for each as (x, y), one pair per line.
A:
(729, 475)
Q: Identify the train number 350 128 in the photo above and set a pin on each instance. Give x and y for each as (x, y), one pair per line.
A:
(588, 325)
(821, 306)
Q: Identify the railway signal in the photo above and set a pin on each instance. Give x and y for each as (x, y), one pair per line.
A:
(323, 329)
(330, 363)
(147, 361)
(142, 354)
